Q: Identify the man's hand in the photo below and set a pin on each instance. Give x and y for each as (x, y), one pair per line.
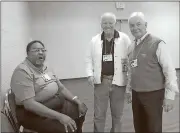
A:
(82, 109)
(91, 81)
(68, 122)
(128, 97)
(168, 105)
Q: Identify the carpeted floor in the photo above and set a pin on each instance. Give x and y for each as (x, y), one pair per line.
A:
(80, 87)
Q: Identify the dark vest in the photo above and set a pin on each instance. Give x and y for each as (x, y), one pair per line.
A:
(148, 76)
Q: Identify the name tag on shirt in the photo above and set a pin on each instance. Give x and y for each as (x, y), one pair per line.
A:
(46, 77)
(107, 57)
(134, 63)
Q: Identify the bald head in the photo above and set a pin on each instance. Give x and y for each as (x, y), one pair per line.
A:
(137, 14)
(108, 21)
(137, 24)
(108, 15)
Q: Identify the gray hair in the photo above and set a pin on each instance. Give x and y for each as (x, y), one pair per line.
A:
(138, 14)
(109, 14)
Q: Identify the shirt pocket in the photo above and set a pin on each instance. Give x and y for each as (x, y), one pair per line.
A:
(143, 55)
(39, 83)
(51, 75)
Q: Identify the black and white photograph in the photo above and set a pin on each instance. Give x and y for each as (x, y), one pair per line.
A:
(90, 66)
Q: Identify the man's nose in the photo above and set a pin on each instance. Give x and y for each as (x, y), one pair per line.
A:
(135, 27)
(108, 25)
(41, 51)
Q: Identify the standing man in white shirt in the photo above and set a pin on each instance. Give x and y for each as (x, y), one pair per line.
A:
(152, 80)
(106, 67)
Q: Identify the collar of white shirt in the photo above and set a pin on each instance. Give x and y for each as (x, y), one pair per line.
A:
(139, 40)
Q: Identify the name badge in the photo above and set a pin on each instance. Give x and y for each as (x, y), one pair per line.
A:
(46, 77)
(134, 63)
(107, 57)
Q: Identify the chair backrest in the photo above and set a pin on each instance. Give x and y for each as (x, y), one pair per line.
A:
(10, 109)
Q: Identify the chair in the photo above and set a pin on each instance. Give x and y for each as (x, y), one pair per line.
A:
(10, 112)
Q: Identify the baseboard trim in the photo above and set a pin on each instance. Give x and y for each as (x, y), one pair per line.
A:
(80, 78)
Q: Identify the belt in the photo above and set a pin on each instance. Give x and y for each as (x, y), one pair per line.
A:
(20, 106)
(110, 77)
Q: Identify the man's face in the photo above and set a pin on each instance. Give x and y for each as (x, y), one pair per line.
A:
(108, 24)
(37, 54)
(137, 27)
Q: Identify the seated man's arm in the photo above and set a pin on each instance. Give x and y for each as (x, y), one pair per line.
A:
(40, 109)
(67, 94)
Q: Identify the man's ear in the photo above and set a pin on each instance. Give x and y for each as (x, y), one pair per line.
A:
(27, 53)
(146, 24)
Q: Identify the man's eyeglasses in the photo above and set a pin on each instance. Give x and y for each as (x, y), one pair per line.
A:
(38, 50)
(107, 23)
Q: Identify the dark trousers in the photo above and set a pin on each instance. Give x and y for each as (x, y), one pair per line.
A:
(45, 125)
(147, 111)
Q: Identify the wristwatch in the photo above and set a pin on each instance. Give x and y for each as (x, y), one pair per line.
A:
(75, 97)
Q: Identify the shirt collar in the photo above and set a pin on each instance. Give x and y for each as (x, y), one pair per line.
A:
(116, 34)
(34, 67)
(139, 40)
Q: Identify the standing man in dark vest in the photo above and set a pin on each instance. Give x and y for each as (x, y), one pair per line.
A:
(152, 81)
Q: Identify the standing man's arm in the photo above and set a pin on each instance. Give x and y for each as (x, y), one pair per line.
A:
(169, 72)
(128, 86)
(129, 50)
(89, 64)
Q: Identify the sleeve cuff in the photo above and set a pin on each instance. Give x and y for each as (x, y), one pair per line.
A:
(128, 89)
(170, 94)
(89, 75)
(89, 72)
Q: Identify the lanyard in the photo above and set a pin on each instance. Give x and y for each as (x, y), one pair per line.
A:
(112, 43)
(138, 51)
(142, 41)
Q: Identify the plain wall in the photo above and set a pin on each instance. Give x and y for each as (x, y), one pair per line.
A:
(15, 34)
(67, 27)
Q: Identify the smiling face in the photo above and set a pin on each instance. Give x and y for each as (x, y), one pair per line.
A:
(137, 26)
(108, 24)
(37, 54)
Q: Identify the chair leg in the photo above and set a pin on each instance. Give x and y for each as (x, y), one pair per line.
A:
(24, 130)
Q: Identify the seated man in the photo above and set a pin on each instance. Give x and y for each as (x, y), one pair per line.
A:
(43, 104)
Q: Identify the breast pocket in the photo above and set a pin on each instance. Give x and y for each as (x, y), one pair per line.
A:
(143, 55)
(51, 75)
(39, 83)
